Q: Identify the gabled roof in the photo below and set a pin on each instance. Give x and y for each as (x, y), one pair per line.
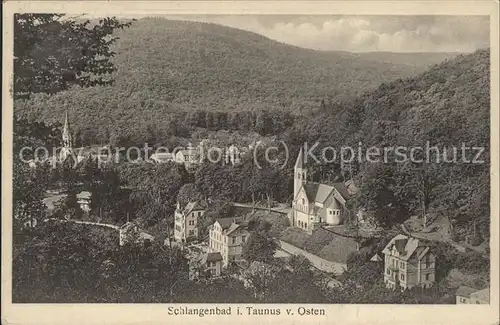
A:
(465, 291)
(342, 189)
(376, 258)
(193, 206)
(225, 223)
(128, 225)
(406, 247)
(84, 195)
(232, 228)
(483, 295)
(231, 224)
(317, 192)
(211, 257)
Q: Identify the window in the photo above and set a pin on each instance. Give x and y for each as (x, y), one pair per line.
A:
(191, 233)
(199, 213)
(402, 277)
(243, 238)
(303, 202)
(427, 276)
(233, 240)
(388, 271)
(402, 265)
(331, 212)
(462, 300)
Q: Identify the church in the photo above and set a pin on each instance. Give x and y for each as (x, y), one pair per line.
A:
(315, 204)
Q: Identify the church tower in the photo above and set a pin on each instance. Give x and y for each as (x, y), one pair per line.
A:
(300, 173)
(67, 140)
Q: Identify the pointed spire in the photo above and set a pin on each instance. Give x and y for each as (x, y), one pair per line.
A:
(66, 136)
(300, 159)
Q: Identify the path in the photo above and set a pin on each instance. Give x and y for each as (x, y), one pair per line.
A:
(282, 210)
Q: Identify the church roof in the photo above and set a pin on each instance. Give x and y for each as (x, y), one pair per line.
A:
(317, 192)
(342, 189)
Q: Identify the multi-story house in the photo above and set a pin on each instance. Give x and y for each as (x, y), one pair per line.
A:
(408, 263)
(468, 295)
(315, 203)
(186, 221)
(227, 236)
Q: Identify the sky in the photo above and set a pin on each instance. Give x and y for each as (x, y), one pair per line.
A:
(365, 33)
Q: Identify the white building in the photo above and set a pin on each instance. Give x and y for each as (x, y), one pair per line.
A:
(315, 203)
(227, 236)
(186, 221)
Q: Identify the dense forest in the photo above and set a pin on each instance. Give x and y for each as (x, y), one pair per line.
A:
(165, 68)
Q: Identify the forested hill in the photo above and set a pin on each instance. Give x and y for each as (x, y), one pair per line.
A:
(448, 105)
(169, 66)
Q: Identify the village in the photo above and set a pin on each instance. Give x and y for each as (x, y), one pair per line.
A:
(316, 225)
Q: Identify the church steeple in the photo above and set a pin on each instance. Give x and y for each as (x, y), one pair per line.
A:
(67, 141)
(300, 173)
(66, 136)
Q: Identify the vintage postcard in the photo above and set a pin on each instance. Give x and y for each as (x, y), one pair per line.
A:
(224, 162)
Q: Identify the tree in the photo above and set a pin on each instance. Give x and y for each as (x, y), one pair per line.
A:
(53, 52)
(188, 193)
(260, 246)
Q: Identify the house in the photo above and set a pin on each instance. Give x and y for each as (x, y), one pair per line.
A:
(314, 203)
(186, 221)
(163, 157)
(376, 258)
(189, 157)
(327, 251)
(131, 233)
(212, 263)
(468, 295)
(408, 263)
(84, 199)
(227, 236)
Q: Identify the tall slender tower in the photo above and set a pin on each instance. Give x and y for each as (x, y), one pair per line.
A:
(66, 139)
(300, 173)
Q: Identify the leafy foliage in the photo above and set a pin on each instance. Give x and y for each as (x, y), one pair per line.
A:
(51, 53)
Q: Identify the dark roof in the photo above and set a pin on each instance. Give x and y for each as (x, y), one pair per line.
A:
(317, 192)
(465, 291)
(329, 246)
(342, 189)
(407, 247)
(400, 245)
(225, 223)
(193, 206)
(211, 257)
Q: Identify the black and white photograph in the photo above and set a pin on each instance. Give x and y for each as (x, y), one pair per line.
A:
(247, 160)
